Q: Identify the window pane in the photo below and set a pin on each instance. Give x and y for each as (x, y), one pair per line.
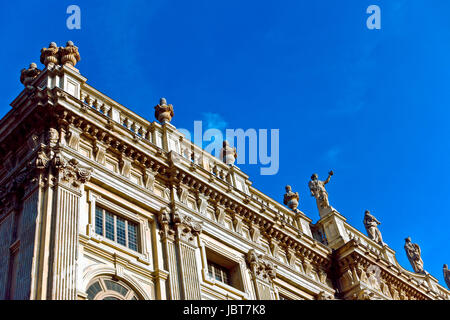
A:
(93, 290)
(217, 273)
(121, 231)
(109, 225)
(210, 270)
(114, 286)
(225, 277)
(132, 236)
(99, 221)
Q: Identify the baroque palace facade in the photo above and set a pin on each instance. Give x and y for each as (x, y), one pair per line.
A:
(98, 203)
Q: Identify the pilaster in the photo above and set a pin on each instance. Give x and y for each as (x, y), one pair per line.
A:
(262, 274)
(187, 232)
(68, 179)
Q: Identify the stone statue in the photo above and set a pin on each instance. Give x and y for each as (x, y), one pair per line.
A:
(228, 153)
(291, 199)
(69, 54)
(318, 190)
(413, 254)
(447, 275)
(163, 111)
(371, 224)
(28, 75)
(50, 55)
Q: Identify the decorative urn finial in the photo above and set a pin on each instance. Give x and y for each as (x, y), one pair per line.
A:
(291, 199)
(69, 54)
(28, 75)
(50, 55)
(163, 111)
(228, 153)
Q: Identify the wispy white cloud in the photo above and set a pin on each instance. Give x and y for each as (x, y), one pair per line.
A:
(213, 120)
(332, 154)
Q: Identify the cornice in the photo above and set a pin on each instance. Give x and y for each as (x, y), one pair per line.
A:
(69, 112)
(354, 254)
(167, 166)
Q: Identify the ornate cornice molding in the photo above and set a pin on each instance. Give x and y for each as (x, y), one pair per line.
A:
(363, 268)
(166, 166)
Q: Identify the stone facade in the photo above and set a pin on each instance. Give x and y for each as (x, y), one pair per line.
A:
(99, 203)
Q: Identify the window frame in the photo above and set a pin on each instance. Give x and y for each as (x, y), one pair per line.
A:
(223, 270)
(106, 292)
(127, 221)
(145, 220)
(236, 287)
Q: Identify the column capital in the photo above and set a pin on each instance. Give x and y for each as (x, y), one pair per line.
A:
(70, 172)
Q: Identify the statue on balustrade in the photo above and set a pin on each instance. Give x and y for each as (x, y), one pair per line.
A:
(371, 224)
(291, 199)
(317, 188)
(228, 153)
(163, 111)
(447, 275)
(413, 254)
(28, 75)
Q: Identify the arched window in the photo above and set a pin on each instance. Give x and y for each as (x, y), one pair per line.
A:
(108, 288)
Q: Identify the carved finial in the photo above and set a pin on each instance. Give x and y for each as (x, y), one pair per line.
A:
(291, 199)
(164, 112)
(28, 75)
(50, 55)
(228, 153)
(69, 54)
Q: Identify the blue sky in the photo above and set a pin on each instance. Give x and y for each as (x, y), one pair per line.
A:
(373, 105)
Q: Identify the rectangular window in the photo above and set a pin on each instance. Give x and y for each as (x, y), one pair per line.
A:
(116, 228)
(218, 272)
(222, 269)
